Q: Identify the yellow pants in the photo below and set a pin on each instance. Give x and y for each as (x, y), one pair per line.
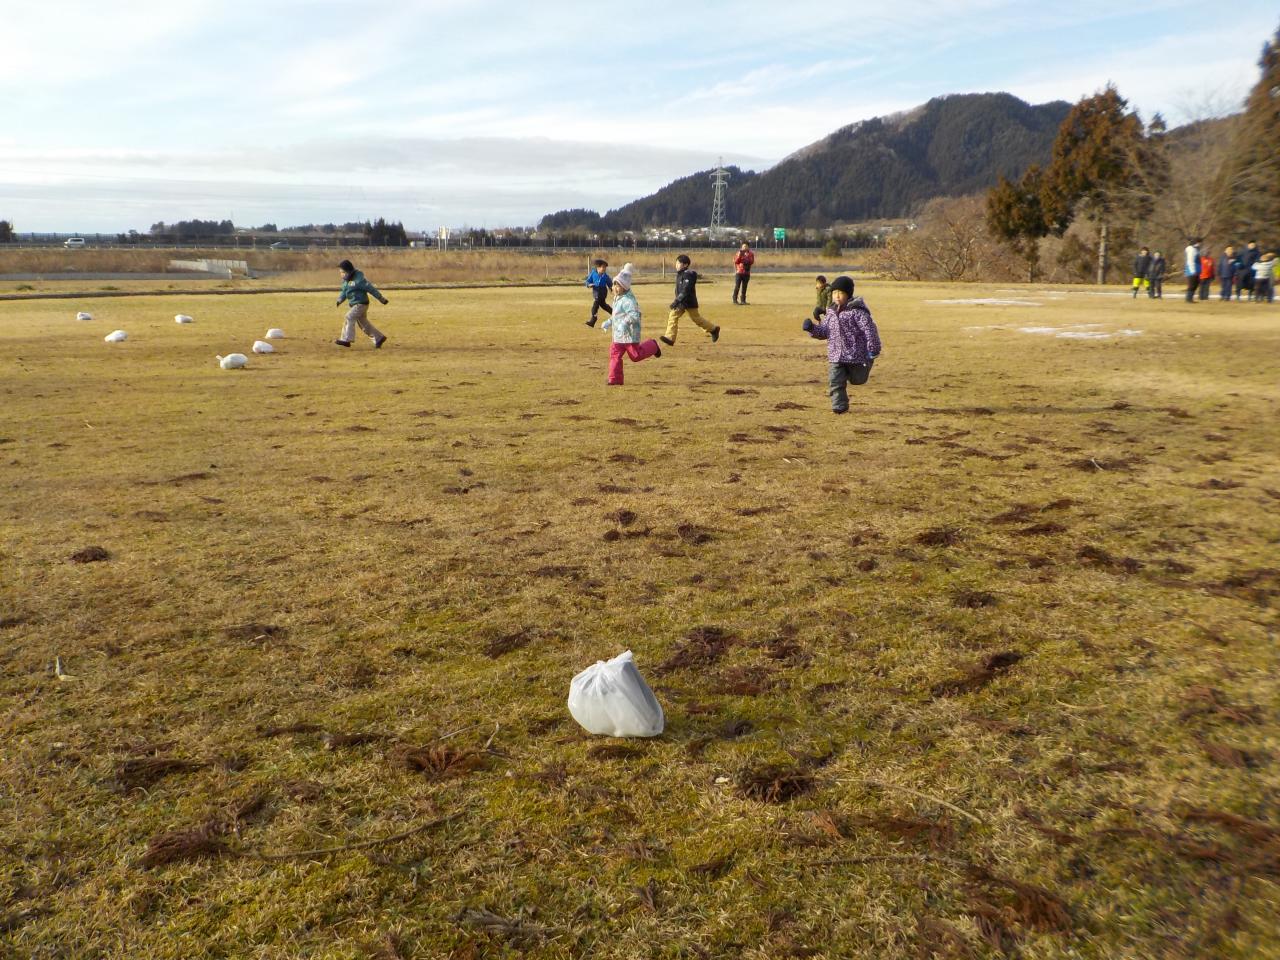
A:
(1142, 282)
(673, 321)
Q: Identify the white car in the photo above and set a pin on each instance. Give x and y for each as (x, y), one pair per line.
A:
(72, 243)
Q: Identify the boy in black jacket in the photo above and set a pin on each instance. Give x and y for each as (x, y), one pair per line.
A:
(1155, 290)
(1141, 271)
(686, 301)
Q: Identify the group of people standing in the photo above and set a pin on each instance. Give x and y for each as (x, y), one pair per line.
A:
(1247, 274)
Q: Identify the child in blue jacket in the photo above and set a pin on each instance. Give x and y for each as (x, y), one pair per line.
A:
(853, 341)
(599, 282)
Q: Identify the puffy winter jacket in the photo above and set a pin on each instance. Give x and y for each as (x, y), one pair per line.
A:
(851, 334)
(686, 289)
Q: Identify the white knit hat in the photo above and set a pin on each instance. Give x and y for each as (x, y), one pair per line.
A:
(623, 278)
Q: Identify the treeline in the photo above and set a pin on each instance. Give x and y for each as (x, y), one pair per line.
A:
(883, 168)
(1114, 182)
(378, 233)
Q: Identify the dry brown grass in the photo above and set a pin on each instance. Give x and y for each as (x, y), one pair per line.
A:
(328, 576)
(384, 266)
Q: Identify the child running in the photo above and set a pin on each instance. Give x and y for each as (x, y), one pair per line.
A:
(824, 297)
(356, 290)
(686, 301)
(599, 282)
(853, 342)
(625, 321)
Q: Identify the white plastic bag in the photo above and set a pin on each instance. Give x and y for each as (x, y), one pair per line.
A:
(115, 336)
(84, 316)
(611, 698)
(261, 346)
(275, 333)
(182, 318)
(232, 361)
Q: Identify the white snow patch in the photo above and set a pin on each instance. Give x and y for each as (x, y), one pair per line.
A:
(116, 336)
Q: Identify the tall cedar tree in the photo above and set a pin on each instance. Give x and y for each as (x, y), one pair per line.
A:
(1255, 180)
(1097, 156)
(1015, 214)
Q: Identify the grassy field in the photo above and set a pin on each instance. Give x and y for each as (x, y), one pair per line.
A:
(987, 667)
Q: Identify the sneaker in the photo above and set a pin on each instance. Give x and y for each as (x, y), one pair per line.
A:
(591, 322)
(735, 303)
(845, 410)
(715, 334)
(343, 343)
(669, 343)
(377, 344)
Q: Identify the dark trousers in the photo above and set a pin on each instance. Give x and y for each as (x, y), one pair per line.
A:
(740, 282)
(1225, 291)
(1193, 284)
(1206, 286)
(1264, 290)
(840, 374)
(1156, 290)
(1247, 282)
(598, 304)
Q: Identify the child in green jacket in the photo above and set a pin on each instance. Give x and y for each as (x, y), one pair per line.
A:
(356, 290)
(824, 298)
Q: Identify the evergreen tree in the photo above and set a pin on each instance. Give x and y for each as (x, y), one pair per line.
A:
(1255, 173)
(1097, 158)
(1015, 214)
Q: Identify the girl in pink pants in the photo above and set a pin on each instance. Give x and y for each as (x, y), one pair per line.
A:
(626, 329)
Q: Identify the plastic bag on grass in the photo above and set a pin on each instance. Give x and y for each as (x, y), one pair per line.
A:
(611, 698)
(84, 316)
(232, 361)
(275, 333)
(261, 346)
(116, 336)
(182, 318)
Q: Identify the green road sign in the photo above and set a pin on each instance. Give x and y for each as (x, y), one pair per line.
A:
(779, 233)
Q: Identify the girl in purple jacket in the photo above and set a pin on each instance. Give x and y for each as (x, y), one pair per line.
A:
(853, 342)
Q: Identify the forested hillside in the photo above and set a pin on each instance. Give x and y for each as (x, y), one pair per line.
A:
(884, 167)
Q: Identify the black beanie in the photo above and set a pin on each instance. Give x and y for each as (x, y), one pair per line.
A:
(346, 267)
(843, 283)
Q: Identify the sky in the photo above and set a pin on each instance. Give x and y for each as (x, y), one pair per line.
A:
(449, 113)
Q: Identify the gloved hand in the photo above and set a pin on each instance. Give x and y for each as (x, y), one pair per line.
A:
(338, 304)
(385, 301)
(808, 325)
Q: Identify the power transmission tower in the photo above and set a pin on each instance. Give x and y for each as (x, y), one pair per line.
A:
(720, 179)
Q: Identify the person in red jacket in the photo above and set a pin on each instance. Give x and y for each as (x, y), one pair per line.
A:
(1206, 274)
(742, 272)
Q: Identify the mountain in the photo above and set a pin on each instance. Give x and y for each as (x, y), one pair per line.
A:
(885, 167)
